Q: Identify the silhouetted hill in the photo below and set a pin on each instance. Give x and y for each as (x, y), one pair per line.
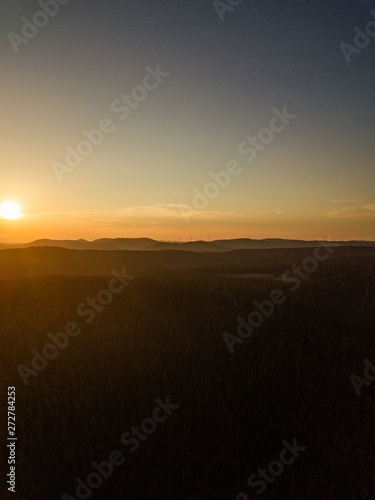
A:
(246, 243)
(100, 244)
(31, 262)
(191, 246)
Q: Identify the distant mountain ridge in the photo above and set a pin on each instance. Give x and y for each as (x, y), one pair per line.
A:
(192, 246)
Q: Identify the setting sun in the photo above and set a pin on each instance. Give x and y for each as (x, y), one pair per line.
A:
(10, 210)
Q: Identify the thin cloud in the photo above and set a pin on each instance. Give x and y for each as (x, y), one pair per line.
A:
(145, 213)
(361, 212)
(342, 200)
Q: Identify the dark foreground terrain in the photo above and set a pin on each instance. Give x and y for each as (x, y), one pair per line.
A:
(162, 336)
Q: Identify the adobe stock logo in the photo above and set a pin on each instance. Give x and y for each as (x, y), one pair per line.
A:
(358, 382)
(248, 148)
(50, 8)
(274, 469)
(60, 340)
(84, 489)
(122, 108)
(361, 40)
(265, 309)
(222, 7)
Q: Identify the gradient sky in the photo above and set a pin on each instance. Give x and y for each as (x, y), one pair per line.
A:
(316, 178)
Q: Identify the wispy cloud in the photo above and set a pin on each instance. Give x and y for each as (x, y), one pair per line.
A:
(171, 210)
(145, 213)
(342, 200)
(359, 212)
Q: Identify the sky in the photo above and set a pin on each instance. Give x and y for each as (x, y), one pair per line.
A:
(218, 76)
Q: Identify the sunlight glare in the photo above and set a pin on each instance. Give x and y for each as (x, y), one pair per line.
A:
(10, 210)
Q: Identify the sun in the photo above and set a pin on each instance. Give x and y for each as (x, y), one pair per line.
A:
(10, 210)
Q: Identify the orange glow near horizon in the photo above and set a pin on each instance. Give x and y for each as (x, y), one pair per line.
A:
(172, 227)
